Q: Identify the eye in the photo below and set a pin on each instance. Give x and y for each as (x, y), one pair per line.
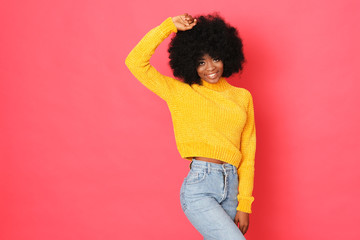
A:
(216, 59)
(200, 63)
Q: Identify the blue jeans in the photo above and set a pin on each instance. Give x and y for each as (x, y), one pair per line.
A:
(208, 198)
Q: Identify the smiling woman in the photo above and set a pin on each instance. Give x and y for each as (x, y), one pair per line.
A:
(213, 121)
(210, 69)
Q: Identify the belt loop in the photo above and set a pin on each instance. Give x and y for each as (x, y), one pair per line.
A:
(208, 167)
(223, 168)
(235, 170)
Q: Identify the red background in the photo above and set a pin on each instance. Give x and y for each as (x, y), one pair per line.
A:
(87, 152)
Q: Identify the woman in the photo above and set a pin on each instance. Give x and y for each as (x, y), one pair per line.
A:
(213, 121)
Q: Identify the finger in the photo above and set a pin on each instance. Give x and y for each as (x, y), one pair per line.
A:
(236, 222)
(190, 19)
(189, 27)
(193, 23)
(241, 228)
(244, 229)
(182, 18)
(186, 16)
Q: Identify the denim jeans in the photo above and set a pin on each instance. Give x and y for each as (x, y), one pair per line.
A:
(208, 198)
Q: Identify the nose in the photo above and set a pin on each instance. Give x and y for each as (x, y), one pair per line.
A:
(210, 66)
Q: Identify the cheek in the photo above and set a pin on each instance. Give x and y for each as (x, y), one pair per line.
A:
(221, 66)
(200, 70)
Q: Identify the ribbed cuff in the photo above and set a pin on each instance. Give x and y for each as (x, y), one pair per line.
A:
(245, 204)
(168, 26)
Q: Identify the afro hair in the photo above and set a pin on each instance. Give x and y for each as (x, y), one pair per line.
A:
(211, 35)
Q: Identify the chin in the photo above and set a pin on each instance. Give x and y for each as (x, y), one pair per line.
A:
(213, 80)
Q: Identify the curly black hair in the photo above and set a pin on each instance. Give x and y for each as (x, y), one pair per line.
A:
(211, 35)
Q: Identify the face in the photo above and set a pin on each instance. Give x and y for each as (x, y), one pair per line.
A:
(210, 69)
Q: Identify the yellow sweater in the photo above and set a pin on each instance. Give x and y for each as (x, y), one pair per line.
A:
(215, 120)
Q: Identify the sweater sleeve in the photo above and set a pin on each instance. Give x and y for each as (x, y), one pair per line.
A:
(247, 164)
(138, 62)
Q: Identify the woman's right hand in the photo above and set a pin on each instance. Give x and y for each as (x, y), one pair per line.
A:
(184, 22)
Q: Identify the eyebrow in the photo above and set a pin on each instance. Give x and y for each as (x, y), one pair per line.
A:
(210, 57)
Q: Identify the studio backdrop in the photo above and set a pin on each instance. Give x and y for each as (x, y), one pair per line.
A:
(87, 152)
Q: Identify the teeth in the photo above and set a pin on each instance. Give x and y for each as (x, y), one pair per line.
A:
(212, 75)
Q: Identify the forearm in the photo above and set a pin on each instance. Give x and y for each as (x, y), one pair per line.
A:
(138, 61)
(139, 57)
(246, 185)
(247, 165)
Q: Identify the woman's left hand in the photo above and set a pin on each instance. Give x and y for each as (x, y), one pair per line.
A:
(242, 221)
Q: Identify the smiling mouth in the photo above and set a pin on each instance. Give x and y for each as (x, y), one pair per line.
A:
(212, 76)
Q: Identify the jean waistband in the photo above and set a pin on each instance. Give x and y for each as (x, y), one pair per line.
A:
(198, 164)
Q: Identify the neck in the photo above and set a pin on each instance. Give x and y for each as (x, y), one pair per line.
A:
(220, 85)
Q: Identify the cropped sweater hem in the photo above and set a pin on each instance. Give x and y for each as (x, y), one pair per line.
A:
(195, 149)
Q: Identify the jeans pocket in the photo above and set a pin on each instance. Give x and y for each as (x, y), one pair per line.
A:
(195, 176)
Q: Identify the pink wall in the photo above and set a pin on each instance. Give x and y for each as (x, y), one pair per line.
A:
(87, 152)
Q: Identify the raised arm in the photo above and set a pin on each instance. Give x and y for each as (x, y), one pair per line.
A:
(138, 60)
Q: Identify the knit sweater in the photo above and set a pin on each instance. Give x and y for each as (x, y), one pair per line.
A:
(213, 120)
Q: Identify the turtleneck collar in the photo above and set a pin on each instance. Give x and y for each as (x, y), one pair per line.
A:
(220, 85)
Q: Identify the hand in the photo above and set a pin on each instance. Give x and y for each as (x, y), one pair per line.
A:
(184, 22)
(242, 221)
